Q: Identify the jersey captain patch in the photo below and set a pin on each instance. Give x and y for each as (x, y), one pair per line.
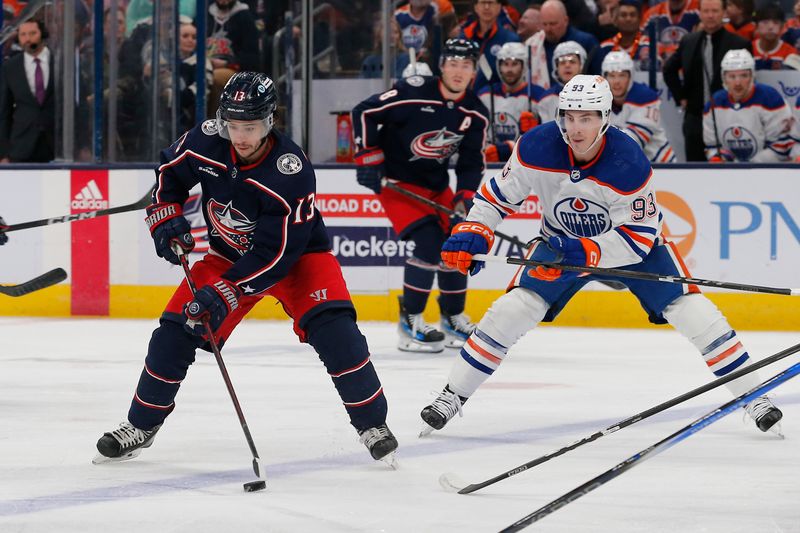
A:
(439, 145)
(581, 217)
(289, 164)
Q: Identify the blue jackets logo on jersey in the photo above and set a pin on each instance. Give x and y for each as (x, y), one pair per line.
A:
(741, 142)
(231, 225)
(581, 217)
(439, 145)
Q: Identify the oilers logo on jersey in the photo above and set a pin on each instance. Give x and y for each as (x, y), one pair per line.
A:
(672, 35)
(581, 217)
(414, 36)
(741, 142)
(438, 145)
(505, 126)
(229, 224)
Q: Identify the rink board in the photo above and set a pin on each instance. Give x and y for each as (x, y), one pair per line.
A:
(739, 225)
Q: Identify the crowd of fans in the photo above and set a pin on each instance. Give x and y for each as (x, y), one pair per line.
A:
(685, 39)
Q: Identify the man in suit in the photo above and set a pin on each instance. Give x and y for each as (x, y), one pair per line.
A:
(699, 55)
(27, 105)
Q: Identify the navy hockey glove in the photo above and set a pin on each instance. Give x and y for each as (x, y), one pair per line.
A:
(370, 169)
(213, 302)
(167, 225)
(3, 227)
(566, 251)
(462, 202)
(467, 239)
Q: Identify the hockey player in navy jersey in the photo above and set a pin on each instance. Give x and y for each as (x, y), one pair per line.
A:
(512, 101)
(636, 109)
(266, 238)
(3, 236)
(599, 209)
(746, 121)
(409, 134)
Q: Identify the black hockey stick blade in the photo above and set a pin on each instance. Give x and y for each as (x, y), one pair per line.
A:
(143, 202)
(453, 483)
(47, 279)
(655, 449)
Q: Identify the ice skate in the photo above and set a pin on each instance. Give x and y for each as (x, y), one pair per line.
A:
(381, 444)
(416, 335)
(439, 413)
(125, 442)
(766, 416)
(457, 329)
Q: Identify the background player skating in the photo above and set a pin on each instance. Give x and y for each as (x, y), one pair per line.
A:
(598, 209)
(409, 134)
(266, 238)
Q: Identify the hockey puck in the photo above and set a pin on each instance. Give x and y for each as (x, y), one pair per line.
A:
(253, 486)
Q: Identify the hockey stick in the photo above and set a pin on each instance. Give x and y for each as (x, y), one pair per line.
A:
(648, 276)
(452, 483)
(486, 70)
(143, 202)
(655, 449)
(251, 486)
(47, 279)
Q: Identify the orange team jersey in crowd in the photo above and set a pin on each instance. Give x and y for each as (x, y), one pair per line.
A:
(670, 28)
(773, 59)
(748, 31)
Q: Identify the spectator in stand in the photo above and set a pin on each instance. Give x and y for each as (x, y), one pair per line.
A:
(508, 17)
(27, 103)
(740, 18)
(698, 56)
(671, 20)
(629, 39)
(489, 35)
(372, 66)
(770, 52)
(530, 22)
(569, 59)
(232, 44)
(791, 30)
(746, 121)
(557, 29)
(416, 20)
(606, 19)
(187, 51)
(142, 11)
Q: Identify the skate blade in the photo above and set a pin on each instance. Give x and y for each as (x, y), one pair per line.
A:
(426, 430)
(391, 460)
(101, 459)
(420, 347)
(453, 341)
(777, 430)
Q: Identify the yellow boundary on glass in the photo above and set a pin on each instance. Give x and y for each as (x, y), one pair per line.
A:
(618, 309)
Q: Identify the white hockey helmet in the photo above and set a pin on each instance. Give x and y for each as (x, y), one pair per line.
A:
(737, 60)
(420, 68)
(568, 48)
(516, 51)
(585, 92)
(618, 61)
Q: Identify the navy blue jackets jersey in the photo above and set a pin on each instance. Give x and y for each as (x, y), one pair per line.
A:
(421, 130)
(259, 216)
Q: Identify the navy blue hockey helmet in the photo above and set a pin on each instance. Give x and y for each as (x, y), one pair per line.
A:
(247, 96)
(461, 49)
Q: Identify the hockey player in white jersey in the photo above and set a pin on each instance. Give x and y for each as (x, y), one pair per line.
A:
(746, 121)
(569, 58)
(599, 209)
(512, 102)
(636, 108)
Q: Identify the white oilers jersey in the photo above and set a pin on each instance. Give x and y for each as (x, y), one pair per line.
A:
(756, 129)
(609, 200)
(640, 117)
(548, 104)
(508, 106)
(795, 152)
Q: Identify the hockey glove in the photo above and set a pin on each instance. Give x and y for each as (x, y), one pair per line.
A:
(167, 225)
(527, 121)
(467, 239)
(462, 202)
(723, 156)
(498, 153)
(3, 236)
(566, 251)
(370, 169)
(213, 302)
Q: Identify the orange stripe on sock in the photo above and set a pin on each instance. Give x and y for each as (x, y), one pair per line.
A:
(723, 355)
(483, 352)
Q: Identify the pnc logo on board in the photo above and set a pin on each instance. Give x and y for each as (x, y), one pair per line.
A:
(679, 224)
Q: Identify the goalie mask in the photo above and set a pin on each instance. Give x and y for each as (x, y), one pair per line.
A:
(247, 96)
